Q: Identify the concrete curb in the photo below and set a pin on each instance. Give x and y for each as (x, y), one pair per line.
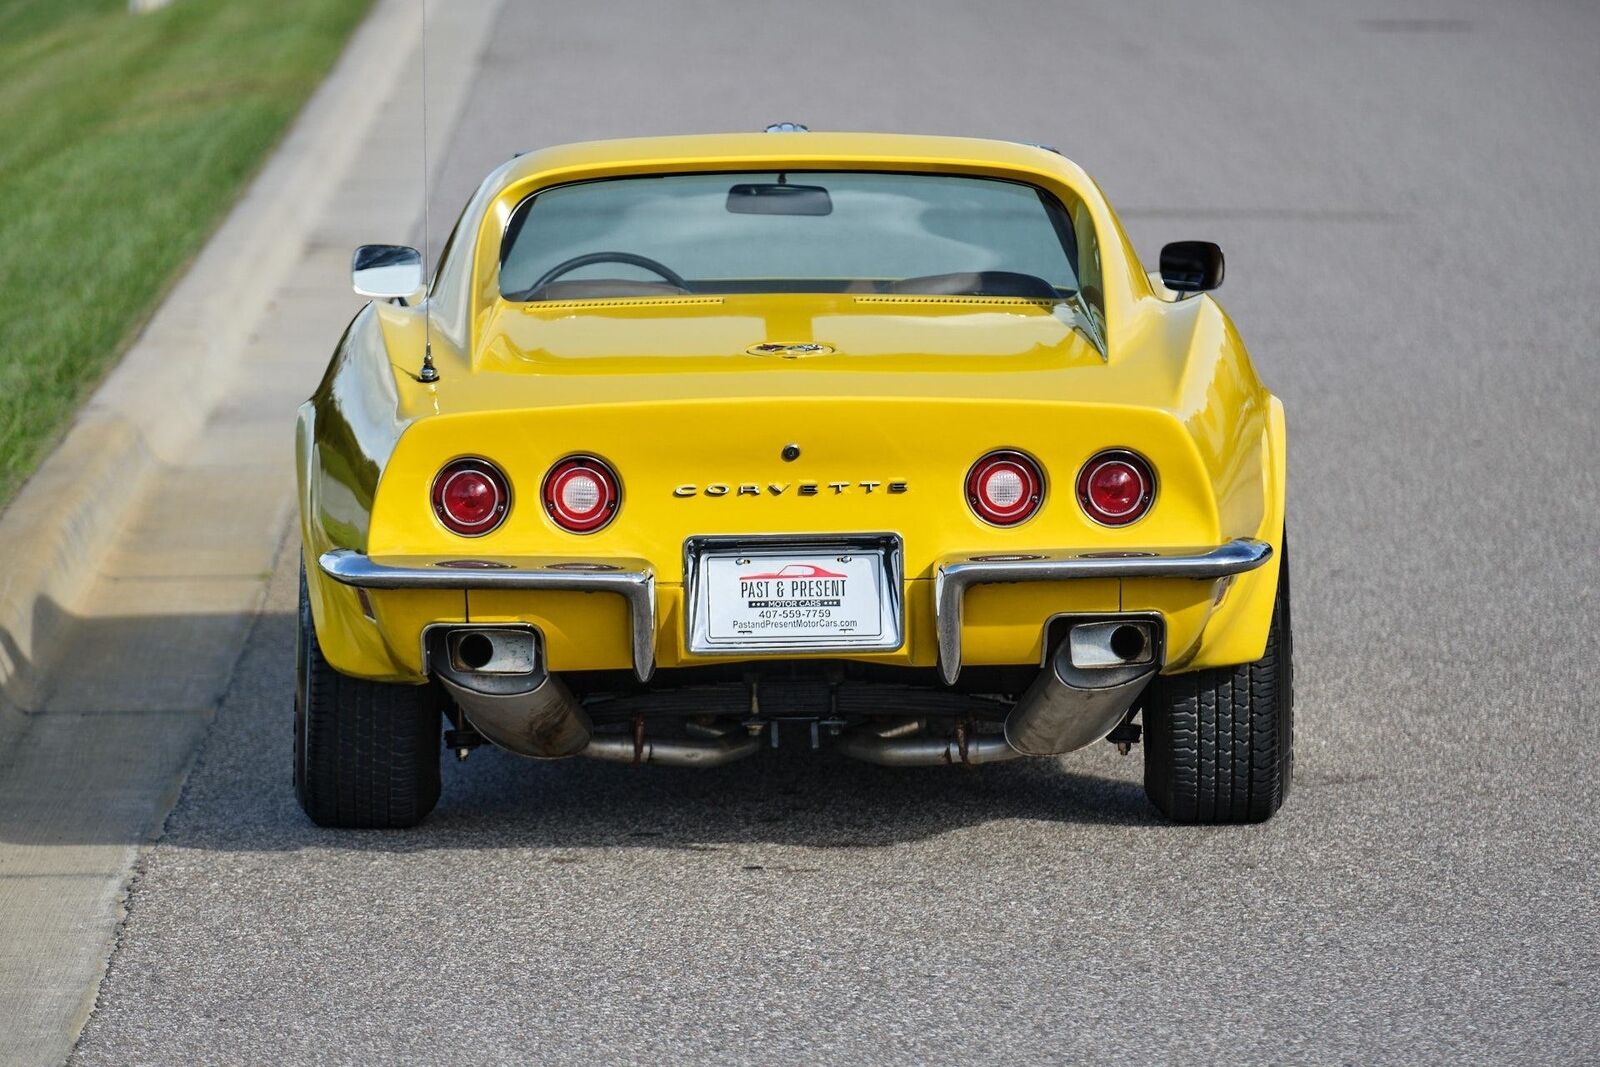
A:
(153, 404)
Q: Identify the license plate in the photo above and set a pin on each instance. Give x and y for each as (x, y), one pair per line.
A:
(795, 598)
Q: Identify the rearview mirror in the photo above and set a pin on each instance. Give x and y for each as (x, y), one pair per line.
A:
(386, 272)
(777, 198)
(1191, 266)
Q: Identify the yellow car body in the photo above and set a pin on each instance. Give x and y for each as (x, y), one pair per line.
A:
(526, 386)
(889, 400)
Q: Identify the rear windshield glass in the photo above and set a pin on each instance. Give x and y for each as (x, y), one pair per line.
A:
(797, 231)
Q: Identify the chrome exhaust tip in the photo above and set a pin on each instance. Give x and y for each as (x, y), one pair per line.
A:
(1115, 643)
(493, 651)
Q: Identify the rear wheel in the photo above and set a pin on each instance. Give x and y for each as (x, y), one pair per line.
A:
(366, 754)
(1219, 744)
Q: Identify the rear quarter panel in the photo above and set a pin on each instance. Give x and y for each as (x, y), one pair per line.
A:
(344, 438)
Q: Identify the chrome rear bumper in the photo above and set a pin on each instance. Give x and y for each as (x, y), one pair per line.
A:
(954, 577)
(632, 579)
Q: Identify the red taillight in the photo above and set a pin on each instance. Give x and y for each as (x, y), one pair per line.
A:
(1005, 488)
(581, 494)
(1116, 487)
(471, 497)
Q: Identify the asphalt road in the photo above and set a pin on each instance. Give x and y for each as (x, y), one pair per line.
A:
(1409, 201)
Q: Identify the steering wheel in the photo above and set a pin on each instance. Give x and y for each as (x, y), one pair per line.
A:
(567, 266)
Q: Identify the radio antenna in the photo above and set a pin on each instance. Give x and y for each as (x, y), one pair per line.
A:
(428, 373)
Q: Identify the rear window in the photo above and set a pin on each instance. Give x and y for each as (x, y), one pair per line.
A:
(794, 231)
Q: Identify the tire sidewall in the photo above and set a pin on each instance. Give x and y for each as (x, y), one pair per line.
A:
(304, 637)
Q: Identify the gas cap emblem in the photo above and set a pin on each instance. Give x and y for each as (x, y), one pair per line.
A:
(789, 351)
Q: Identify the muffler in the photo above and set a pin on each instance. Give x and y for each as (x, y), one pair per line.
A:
(497, 677)
(1086, 689)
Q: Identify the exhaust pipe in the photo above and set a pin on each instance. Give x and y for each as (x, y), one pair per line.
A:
(672, 753)
(497, 678)
(1086, 689)
(922, 751)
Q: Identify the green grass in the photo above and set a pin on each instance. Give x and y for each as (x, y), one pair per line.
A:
(124, 139)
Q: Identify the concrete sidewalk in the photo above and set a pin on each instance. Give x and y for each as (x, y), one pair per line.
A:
(146, 540)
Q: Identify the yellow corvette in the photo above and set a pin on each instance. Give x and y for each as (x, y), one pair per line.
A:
(695, 446)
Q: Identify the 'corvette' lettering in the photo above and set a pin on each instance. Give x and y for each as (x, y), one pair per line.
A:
(688, 489)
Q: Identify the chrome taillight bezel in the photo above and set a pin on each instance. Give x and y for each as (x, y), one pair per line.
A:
(1032, 499)
(1147, 495)
(606, 475)
(477, 465)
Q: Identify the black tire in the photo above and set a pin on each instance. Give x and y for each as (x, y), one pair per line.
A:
(1219, 744)
(366, 754)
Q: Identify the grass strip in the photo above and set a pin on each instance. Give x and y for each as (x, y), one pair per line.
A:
(124, 139)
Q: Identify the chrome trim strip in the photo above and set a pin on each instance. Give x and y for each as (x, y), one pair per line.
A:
(632, 579)
(954, 577)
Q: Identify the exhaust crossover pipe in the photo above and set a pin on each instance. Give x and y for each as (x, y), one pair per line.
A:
(1083, 692)
(888, 751)
(672, 753)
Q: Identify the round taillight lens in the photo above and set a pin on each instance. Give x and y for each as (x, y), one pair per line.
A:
(471, 497)
(1005, 488)
(581, 494)
(1116, 487)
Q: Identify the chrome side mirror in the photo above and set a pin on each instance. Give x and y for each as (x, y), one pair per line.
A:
(387, 272)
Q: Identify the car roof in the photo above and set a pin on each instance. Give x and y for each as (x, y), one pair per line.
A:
(733, 150)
